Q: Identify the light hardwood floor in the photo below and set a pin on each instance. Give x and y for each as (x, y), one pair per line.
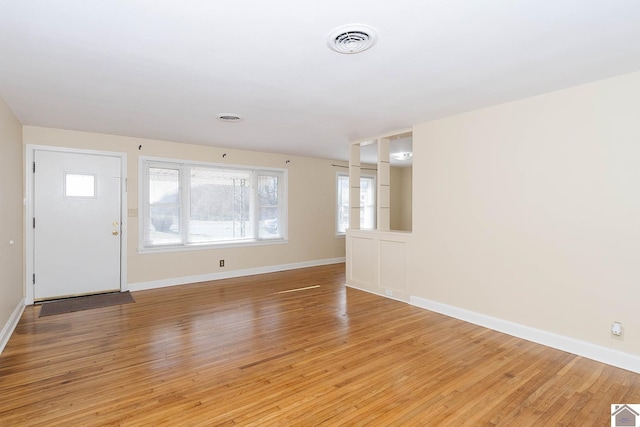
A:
(237, 352)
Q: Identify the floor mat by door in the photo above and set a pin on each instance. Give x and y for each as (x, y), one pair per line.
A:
(88, 302)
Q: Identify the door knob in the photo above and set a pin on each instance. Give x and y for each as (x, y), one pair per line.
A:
(114, 232)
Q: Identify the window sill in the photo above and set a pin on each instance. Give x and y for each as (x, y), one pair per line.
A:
(209, 246)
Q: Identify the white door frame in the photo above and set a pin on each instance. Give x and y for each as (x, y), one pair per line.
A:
(29, 213)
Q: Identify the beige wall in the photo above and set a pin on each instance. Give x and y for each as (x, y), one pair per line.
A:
(11, 226)
(311, 201)
(530, 211)
(401, 204)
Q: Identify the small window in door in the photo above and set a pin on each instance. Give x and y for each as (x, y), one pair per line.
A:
(79, 185)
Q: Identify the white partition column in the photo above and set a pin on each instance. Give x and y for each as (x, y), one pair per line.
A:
(384, 185)
(378, 260)
(354, 187)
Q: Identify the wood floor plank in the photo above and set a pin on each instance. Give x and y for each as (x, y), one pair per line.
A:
(240, 352)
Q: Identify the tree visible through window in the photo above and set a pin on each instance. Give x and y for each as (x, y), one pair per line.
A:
(268, 206)
(199, 204)
(219, 205)
(367, 203)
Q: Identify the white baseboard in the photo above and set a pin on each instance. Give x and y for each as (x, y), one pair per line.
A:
(229, 274)
(581, 348)
(380, 294)
(11, 324)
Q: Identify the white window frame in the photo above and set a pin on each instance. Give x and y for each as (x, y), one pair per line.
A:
(183, 167)
(343, 175)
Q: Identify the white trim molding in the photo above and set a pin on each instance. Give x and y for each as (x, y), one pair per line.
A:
(154, 284)
(11, 324)
(571, 345)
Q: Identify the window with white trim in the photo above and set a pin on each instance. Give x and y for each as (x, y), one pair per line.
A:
(367, 203)
(198, 204)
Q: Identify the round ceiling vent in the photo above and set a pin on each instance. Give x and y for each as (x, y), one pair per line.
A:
(353, 38)
(229, 117)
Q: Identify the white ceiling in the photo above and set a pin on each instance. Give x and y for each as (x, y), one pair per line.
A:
(164, 69)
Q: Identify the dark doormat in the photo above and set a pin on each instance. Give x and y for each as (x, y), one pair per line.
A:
(88, 302)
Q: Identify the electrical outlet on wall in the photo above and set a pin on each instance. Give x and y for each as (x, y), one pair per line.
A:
(221, 263)
(616, 331)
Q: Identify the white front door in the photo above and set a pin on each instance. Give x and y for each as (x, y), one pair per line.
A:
(77, 224)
